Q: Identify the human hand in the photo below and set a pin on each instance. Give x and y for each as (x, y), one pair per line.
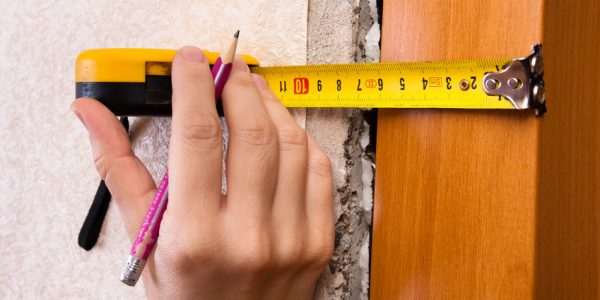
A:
(270, 237)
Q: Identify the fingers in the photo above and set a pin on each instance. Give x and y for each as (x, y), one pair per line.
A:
(293, 150)
(195, 154)
(253, 150)
(303, 203)
(127, 179)
(319, 207)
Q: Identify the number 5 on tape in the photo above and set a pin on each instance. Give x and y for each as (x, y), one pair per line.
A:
(138, 82)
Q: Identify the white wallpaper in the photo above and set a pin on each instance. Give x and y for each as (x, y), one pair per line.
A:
(47, 178)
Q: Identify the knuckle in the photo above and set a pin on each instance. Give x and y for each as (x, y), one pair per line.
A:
(100, 161)
(183, 259)
(193, 72)
(268, 95)
(105, 163)
(253, 259)
(290, 252)
(257, 132)
(320, 253)
(177, 258)
(250, 253)
(196, 245)
(292, 138)
(320, 164)
(204, 129)
(257, 263)
(195, 254)
(243, 80)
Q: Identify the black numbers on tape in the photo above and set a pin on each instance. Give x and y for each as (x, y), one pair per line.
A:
(282, 86)
(370, 84)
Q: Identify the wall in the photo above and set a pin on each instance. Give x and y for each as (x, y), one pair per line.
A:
(49, 179)
(331, 41)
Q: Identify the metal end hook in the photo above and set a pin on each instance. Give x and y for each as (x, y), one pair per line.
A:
(521, 82)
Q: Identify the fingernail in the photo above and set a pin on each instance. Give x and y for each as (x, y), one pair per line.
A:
(192, 54)
(240, 65)
(78, 115)
(259, 81)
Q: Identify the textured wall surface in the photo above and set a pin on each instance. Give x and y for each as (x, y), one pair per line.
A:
(337, 33)
(48, 178)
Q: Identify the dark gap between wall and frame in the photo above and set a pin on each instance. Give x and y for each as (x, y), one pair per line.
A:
(371, 150)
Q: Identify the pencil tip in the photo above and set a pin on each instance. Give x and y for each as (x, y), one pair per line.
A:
(237, 33)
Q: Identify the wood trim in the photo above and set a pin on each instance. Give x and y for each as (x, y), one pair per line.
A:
(569, 182)
(474, 204)
(455, 191)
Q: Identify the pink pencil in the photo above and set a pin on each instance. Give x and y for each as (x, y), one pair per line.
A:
(144, 243)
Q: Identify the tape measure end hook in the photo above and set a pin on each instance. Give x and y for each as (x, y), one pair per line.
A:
(521, 82)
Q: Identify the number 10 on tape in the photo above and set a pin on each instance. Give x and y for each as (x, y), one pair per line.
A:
(469, 84)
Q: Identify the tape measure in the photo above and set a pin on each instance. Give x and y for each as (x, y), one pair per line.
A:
(139, 83)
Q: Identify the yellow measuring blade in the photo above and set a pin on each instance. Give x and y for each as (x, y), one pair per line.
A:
(451, 84)
(138, 82)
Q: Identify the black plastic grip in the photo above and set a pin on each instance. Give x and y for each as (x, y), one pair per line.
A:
(90, 230)
(150, 98)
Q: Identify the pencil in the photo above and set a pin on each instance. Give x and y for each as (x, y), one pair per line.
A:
(222, 67)
(148, 234)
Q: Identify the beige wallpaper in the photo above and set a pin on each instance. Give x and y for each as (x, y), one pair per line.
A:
(47, 179)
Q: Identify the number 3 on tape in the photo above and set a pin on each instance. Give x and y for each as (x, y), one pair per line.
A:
(467, 84)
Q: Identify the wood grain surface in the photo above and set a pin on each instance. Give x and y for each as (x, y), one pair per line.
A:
(455, 191)
(486, 204)
(567, 249)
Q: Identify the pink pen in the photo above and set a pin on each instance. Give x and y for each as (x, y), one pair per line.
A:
(144, 243)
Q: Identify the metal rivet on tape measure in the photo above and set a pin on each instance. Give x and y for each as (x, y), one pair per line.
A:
(521, 82)
(473, 84)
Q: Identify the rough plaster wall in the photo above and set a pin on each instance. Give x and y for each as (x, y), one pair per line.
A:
(48, 179)
(336, 34)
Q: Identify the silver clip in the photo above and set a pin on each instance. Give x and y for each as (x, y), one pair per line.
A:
(521, 82)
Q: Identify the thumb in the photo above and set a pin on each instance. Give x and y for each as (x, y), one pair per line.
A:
(127, 179)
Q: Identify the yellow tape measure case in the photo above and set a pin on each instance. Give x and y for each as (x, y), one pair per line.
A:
(138, 82)
(131, 82)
